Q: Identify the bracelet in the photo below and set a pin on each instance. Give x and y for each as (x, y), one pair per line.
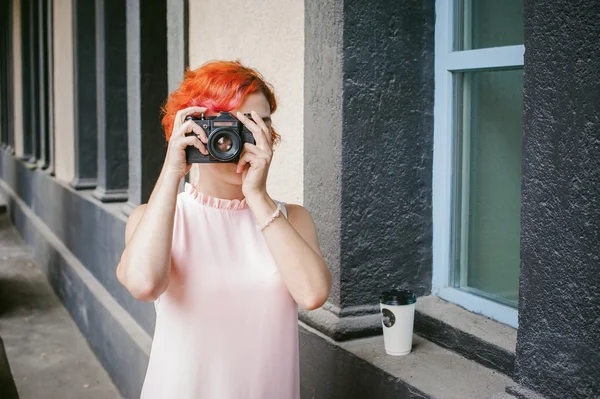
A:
(271, 219)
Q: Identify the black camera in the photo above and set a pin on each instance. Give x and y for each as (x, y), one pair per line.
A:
(226, 138)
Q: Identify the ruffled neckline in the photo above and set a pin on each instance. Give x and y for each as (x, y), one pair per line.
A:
(212, 202)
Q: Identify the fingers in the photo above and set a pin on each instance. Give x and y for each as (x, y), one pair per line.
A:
(199, 132)
(253, 156)
(197, 140)
(263, 126)
(259, 135)
(244, 160)
(251, 148)
(193, 141)
(183, 113)
(191, 126)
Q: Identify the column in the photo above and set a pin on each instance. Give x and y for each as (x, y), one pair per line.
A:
(17, 83)
(30, 104)
(147, 78)
(559, 305)
(177, 41)
(44, 35)
(6, 115)
(177, 47)
(49, 39)
(111, 94)
(368, 153)
(84, 101)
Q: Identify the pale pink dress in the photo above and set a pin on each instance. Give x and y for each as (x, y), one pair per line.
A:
(227, 326)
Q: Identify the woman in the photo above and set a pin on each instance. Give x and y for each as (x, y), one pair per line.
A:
(226, 265)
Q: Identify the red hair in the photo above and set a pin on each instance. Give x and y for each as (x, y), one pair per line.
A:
(219, 86)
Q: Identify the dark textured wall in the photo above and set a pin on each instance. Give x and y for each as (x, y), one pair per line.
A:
(559, 307)
(387, 148)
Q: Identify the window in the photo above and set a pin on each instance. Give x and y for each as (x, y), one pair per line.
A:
(477, 155)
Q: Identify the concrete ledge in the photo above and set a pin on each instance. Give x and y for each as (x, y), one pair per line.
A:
(344, 324)
(473, 336)
(120, 344)
(520, 392)
(368, 372)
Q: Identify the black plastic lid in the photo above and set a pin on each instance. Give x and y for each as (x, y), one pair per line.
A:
(398, 297)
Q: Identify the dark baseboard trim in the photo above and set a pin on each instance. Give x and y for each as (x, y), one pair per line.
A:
(104, 195)
(83, 183)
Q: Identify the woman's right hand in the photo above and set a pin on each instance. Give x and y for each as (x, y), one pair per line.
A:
(175, 161)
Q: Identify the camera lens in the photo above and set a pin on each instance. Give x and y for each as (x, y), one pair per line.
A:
(224, 143)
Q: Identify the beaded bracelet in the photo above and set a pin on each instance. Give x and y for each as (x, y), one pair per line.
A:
(271, 219)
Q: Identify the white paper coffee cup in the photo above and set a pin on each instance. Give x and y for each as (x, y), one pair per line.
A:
(398, 314)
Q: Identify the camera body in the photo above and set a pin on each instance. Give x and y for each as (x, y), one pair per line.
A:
(226, 138)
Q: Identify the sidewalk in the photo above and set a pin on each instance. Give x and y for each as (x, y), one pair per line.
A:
(48, 355)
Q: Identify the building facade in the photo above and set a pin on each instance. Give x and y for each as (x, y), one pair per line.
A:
(449, 147)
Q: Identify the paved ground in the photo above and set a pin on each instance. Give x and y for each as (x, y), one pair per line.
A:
(47, 353)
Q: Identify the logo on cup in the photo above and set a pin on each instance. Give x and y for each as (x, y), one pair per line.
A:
(388, 318)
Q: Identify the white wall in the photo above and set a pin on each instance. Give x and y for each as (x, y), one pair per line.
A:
(17, 78)
(267, 35)
(63, 91)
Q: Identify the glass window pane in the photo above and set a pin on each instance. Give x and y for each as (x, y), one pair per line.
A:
(488, 23)
(489, 111)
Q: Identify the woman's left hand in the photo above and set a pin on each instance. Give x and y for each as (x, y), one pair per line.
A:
(254, 178)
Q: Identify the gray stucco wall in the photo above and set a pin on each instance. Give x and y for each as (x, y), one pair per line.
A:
(559, 308)
(323, 126)
(368, 152)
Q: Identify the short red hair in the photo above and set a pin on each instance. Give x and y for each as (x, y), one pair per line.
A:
(219, 86)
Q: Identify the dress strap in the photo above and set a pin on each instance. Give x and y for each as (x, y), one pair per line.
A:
(283, 209)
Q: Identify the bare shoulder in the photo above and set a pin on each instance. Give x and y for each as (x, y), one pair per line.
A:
(298, 214)
(302, 221)
(133, 220)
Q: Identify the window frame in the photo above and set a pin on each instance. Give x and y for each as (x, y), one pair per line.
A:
(448, 62)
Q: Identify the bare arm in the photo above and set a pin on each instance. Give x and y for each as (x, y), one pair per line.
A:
(292, 242)
(145, 264)
(146, 261)
(295, 249)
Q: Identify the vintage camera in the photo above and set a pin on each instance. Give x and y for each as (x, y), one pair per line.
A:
(226, 138)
